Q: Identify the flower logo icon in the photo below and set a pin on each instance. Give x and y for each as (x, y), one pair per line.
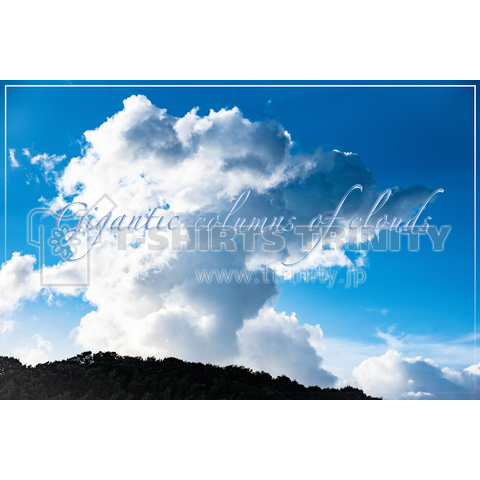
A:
(58, 242)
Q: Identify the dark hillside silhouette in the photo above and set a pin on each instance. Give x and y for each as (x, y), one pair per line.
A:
(109, 376)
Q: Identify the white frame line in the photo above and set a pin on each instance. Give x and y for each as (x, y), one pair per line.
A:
(309, 86)
(474, 234)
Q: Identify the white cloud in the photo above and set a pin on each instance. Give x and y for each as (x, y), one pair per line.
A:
(149, 302)
(385, 372)
(26, 152)
(276, 343)
(13, 161)
(47, 162)
(419, 395)
(381, 375)
(36, 353)
(138, 155)
(391, 340)
(345, 153)
(455, 352)
(6, 326)
(18, 281)
(473, 369)
(341, 356)
(21, 282)
(31, 177)
(361, 260)
(393, 376)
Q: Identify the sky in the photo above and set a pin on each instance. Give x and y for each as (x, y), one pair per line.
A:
(406, 332)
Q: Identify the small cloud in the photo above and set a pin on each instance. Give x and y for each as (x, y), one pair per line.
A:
(361, 260)
(34, 354)
(6, 326)
(391, 340)
(344, 153)
(418, 395)
(26, 152)
(381, 311)
(13, 160)
(474, 369)
(46, 161)
(393, 376)
(31, 177)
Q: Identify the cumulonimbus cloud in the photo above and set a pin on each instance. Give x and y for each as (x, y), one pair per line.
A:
(150, 303)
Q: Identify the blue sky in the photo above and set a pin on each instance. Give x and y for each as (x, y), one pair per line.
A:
(404, 135)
